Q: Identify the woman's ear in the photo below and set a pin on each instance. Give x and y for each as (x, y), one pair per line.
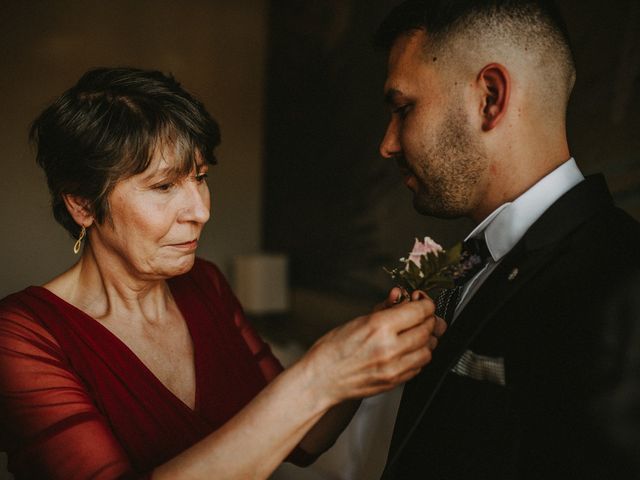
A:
(495, 84)
(78, 208)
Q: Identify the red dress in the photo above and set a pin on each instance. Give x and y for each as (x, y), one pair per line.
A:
(76, 403)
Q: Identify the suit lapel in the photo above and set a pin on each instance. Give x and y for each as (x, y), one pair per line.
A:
(495, 292)
(539, 246)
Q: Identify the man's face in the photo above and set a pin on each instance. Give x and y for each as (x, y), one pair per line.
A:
(430, 134)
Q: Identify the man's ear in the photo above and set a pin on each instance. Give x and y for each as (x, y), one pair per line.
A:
(78, 208)
(495, 84)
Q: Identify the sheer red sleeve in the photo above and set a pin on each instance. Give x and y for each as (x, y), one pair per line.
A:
(269, 365)
(48, 423)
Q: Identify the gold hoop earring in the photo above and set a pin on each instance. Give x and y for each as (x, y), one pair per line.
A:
(76, 246)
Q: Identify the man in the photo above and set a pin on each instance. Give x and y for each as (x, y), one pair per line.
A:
(538, 375)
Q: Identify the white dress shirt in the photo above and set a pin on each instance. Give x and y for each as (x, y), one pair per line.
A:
(507, 224)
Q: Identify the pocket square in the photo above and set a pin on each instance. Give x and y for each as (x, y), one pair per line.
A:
(480, 367)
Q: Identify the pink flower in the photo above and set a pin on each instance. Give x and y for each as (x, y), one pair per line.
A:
(439, 271)
(423, 248)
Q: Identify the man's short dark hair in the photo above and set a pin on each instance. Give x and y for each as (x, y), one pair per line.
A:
(532, 29)
(108, 126)
(438, 17)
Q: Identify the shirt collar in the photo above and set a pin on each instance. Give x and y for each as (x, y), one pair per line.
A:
(507, 224)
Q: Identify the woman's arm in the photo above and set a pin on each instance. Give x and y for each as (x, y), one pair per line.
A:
(49, 424)
(325, 433)
(53, 429)
(327, 430)
(366, 356)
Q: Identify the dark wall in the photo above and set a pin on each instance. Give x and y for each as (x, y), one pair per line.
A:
(334, 205)
(604, 114)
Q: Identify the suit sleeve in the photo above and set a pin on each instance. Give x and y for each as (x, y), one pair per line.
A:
(614, 405)
(587, 423)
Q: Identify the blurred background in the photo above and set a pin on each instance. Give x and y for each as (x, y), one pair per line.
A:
(297, 90)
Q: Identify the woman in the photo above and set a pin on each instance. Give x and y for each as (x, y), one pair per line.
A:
(137, 361)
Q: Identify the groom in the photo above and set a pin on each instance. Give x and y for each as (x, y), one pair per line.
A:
(538, 375)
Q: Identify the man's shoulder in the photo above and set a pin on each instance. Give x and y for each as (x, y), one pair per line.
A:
(613, 233)
(588, 219)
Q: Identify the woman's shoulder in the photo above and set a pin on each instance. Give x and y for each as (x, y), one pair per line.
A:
(29, 300)
(19, 303)
(21, 317)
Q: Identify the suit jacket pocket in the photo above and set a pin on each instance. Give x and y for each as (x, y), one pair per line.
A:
(480, 367)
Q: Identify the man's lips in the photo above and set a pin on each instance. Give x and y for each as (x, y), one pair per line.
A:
(410, 181)
(407, 174)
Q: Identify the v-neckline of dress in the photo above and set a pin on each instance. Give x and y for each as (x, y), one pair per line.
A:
(40, 290)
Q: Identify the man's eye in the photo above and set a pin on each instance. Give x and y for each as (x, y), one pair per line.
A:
(402, 110)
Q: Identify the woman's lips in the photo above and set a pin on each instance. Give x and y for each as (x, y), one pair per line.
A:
(190, 245)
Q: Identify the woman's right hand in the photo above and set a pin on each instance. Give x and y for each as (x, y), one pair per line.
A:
(374, 353)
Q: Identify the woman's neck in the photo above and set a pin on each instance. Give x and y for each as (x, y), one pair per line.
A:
(105, 288)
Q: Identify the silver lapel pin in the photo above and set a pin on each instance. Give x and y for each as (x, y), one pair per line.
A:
(513, 274)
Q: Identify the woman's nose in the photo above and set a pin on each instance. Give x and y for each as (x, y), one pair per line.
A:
(198, 203)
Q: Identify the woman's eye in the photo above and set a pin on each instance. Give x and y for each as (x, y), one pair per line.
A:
(164, 187)
(201, 177)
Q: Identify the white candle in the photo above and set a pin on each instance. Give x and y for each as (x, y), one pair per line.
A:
(261, 283)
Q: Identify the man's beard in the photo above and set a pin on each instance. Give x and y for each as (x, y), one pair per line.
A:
(448, 172)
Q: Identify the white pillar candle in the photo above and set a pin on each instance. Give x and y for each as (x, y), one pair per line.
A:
(261, 283)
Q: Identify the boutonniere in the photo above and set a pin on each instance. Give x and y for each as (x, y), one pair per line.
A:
(430, 267)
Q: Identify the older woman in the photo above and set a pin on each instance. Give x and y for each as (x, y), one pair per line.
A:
(138, 361)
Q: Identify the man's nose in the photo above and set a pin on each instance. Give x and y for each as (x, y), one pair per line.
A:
(390, 146)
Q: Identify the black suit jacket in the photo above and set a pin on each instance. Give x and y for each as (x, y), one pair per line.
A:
(562, 310)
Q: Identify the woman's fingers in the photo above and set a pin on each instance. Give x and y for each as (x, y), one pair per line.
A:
(405, 315)
(398, 372)
(377, 352)
(418, 295)
(395, 296)
(440, 327)
(416, 337)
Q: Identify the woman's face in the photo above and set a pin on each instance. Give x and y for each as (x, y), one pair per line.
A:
(155, 220)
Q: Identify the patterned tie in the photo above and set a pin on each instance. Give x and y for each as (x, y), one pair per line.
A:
(448, 299)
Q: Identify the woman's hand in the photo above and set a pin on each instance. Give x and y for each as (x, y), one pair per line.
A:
(395, 296)
(377, 352)
(399, 294)
(368, 355)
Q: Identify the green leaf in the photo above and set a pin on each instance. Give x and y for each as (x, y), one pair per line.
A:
(453, 254)
(413, 269)
(433, 263)
(435, 271)
(427, 264)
